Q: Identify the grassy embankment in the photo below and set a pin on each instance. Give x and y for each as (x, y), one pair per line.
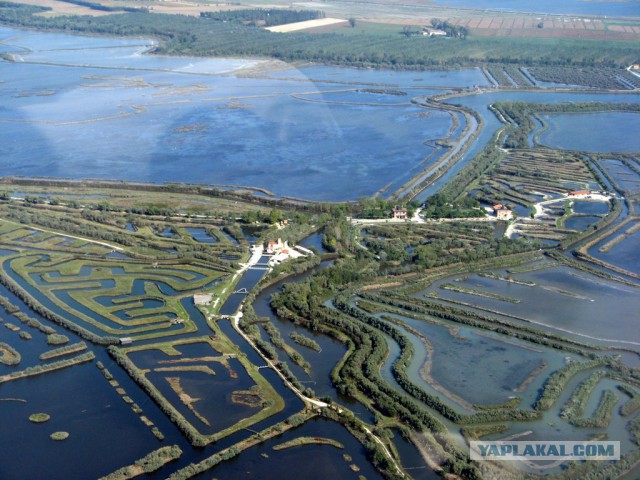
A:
(300, 441)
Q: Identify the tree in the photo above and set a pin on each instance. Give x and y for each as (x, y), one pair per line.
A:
(352, 22)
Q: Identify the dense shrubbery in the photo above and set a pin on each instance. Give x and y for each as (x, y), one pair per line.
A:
(574, 408)
(633, 405)
(555, 384)
(58, 352)
(602, 416)
(305, 341)
(439, 206)
(607, 78)
(57, 339)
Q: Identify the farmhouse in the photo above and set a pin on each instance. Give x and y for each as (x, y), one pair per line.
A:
(504, 214)
(433, 32)
(501, 212)
(399, 213)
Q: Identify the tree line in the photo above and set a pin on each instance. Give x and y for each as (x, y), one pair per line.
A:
(263, 16)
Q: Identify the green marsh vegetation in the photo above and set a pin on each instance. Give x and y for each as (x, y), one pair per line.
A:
(633, 404)
(39, 417)
(9, 355)
(305, 341)
(602, 415)
(147, 464)
(57, 339)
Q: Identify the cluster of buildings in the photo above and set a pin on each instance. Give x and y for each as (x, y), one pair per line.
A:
(281, 251)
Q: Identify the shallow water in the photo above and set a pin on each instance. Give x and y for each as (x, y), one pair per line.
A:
(309, 461)
(590, 208)
(162, 119)
(563, 301)
(580, 222)
(594, 132)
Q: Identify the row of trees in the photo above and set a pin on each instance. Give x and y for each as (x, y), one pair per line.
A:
(263, 16)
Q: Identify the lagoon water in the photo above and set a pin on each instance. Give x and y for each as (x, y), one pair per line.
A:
(563, 301)
(97, 108)
(81, 107)
(608, 132)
